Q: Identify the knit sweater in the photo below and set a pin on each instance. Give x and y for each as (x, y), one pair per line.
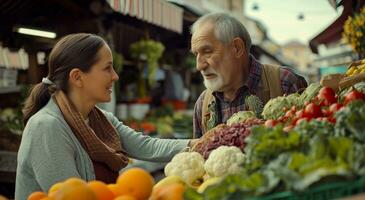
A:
(50, 152)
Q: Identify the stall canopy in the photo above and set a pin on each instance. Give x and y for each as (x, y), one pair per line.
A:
(157, 12)
(333, 32)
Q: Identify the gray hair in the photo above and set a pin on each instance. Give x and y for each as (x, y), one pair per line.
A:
(226, 28)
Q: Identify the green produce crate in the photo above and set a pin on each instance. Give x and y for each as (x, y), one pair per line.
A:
(324, 192)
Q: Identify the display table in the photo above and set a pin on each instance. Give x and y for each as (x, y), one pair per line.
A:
(8, 163)
(7, 166)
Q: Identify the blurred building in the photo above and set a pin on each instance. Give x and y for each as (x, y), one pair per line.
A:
(299, 53)
(301, 57)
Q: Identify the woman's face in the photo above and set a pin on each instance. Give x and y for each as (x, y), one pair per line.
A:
(98, 82)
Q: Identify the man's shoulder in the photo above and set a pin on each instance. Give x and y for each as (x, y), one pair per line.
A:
(201, 97)
(290, 74)
(291, 80)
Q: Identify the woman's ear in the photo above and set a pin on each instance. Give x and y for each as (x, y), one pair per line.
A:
(75, 77)
(238, 47)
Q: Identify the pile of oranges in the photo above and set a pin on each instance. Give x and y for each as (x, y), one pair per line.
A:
(132, 184)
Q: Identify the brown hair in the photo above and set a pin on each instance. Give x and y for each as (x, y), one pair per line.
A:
(78, 50)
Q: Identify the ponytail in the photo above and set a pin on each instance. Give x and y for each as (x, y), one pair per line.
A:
(37, 99)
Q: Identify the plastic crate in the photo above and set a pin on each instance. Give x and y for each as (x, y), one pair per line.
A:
(324, 192)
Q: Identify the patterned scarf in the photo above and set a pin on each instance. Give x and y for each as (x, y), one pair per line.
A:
(101, 140)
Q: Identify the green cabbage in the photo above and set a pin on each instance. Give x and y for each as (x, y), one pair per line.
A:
(274, 108)
(240, 116)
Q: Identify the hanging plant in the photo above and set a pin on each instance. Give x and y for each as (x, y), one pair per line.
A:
(152, 50)
(354, 32)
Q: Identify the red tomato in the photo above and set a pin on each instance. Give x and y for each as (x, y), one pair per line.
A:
(327, 112)
(326, 91)
(270, 123)
(282, 119)
(335, 107)
(354, 95)
(299, 113)
(294, 121)
(312, 111)
(314, 100)
(290, 113)
(332, 120)
(322, 119)
(322, 103)
(327, 96)
(301, 120)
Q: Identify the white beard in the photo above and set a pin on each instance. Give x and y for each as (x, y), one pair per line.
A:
(215, 84)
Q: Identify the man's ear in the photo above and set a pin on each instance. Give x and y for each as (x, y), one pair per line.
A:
(75, 77)
(239, 47)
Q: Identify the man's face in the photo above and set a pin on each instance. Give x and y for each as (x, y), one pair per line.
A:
(214, 60)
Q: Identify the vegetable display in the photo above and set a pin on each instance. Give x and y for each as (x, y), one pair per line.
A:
(306, 140)
(223, 135)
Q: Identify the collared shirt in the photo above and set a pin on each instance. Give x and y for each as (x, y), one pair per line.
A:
(290, 83)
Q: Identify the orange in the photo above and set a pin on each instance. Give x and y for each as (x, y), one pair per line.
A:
(114, 188)
(135, 182)
(55, 187)
(101, 190)
(3, 198)
(47, 198)
(174, 191)
(125, 197)
(37, 195)
(75, 188)
(74, 181)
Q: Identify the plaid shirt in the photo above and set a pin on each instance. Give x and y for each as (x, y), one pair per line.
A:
(290, 83)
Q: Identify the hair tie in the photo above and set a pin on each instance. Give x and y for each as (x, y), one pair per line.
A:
(46, 81)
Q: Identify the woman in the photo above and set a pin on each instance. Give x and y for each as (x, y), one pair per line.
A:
(66, 135)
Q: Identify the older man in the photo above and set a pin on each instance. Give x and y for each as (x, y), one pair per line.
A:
(222, 45)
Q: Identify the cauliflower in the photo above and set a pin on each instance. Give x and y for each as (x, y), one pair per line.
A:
(187, 165)
(224, 160)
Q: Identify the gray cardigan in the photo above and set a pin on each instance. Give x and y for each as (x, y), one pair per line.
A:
(49, 151)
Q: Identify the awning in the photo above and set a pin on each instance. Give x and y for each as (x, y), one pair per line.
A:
(334, 31)
(158, 12)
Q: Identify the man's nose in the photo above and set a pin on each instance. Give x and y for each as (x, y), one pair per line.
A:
(201, 63)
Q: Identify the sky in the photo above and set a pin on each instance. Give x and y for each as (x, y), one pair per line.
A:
(280, 17)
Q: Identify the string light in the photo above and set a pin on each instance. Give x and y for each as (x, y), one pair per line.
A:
(300, 16)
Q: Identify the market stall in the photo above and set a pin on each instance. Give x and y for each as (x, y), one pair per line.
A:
(301, 146)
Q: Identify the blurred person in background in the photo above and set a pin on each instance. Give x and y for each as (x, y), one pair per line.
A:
(222, 45)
